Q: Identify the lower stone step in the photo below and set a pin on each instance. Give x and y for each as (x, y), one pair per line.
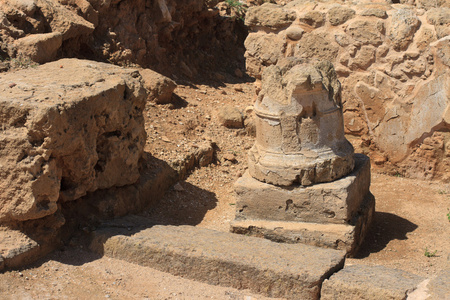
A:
(293, 271)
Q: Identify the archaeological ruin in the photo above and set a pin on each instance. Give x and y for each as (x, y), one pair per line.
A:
(304, 182)
(297, 149)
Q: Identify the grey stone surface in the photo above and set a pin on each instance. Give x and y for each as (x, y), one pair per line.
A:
(439, 286)
(333, 202)
(369, 283)
(220, 258)
(335, 236)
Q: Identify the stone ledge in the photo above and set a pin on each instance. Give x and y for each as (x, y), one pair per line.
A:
(335, 236)
(221, 258)
(335, 202)
(370, 282)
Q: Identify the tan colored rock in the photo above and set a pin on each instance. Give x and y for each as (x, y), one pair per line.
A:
(338, 15)
(404, 23)
(230, 116)
(374, 12)
(269, 15)
(26, 6)
(363, 58)
(265, 48)
(440, 18)
(294, 33)
(366, 32)
(313, 18)
(63, 20)
(317, 46)
(160, 88)
(40, 48)
(292, 145)
(69, 127)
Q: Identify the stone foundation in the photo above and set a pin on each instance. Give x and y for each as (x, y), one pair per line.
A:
(333, 215)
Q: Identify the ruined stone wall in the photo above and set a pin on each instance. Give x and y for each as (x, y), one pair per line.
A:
(178, 36)
(392, 61)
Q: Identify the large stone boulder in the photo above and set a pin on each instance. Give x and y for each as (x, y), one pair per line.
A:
(68, 128)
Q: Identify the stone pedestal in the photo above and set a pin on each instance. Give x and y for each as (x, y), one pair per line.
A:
(304, 183)
(332, 215)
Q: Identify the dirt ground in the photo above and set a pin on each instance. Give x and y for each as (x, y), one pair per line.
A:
(410, 221)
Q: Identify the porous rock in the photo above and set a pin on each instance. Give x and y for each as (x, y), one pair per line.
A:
(404, 24)
(40, 48)
(230, 117)
(269, 15)
(160, 88)
(340, 14)
(369, 282)
(68, 128)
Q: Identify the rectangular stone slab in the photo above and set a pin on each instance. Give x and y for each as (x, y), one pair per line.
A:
(370, 282)
(334, 202)
(293, 271)
(335, 236)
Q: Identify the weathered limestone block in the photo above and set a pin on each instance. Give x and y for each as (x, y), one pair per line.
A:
(404, 24)
(160, 88)
(440, 18)
(366, 32)
(313, 18)
(230, 117)
(63, 20)
(316, 46)
(40, 48)
(68, 128)
(221, 258)
(334, 202)
(299, 125)
(332, 215)
(263, 48)
(269, 15)
(369, 282)
(339, 14)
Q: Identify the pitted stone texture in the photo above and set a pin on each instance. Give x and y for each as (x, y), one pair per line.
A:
(160, 88)
(220, 258)
(333, 202)
(348, 238)
(404, 24)
(269, 15)
(299, 126)
(369, 283)
(68, 128)
(332, 215)
(439, 287)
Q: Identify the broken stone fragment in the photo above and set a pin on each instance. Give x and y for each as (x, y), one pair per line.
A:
(160, 88)
(269, 15)
(40, 48)
(340, 14)
(404, 24)
(299, 126)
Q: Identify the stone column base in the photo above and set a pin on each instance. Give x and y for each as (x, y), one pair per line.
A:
(333, 215)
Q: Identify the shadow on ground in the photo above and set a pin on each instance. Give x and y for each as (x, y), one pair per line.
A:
(385, 228)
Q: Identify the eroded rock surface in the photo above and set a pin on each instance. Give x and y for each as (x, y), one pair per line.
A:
(299, 126)
(68, 128)
(392, 61)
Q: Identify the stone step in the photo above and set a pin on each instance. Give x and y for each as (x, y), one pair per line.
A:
(293, 271)
(370, 283)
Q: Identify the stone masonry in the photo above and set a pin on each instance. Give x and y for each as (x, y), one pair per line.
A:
(304, 183)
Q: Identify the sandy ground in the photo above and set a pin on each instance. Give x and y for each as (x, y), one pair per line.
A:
(411, 215)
